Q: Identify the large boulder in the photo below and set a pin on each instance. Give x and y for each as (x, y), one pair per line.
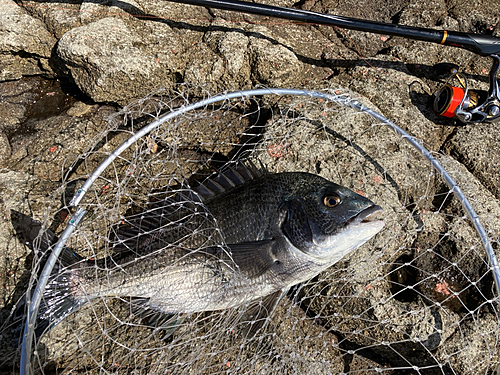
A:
(106, 62)
(25, 44)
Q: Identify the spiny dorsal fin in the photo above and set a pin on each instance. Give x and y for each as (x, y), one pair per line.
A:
(227, 179)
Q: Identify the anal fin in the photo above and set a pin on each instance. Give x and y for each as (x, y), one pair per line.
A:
(155, 318)
(257, 313)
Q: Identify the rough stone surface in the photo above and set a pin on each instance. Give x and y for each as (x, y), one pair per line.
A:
(476, 147)
(4, 147)
(23, 101)
(364, 44)
(25, 43)
(110, 49)
(273, 64)
(58, 17)
(131, 58)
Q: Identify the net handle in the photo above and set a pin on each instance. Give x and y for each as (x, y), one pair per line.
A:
(342, 99)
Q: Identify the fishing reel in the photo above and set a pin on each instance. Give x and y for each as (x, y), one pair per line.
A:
(467, 105)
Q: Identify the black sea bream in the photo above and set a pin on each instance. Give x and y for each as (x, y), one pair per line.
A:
(272, 231)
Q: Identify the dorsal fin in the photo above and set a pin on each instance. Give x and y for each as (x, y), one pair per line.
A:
(177, 205)
(224, 181)
(136, 227)
(228, 178)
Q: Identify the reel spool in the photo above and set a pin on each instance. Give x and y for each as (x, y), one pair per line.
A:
(448, 99)
(466, 105)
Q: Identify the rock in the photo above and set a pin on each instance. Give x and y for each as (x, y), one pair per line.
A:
(23, 102)
(11, 114)
(91, 11)
(80, 109)
(476, 147)
(47, 150)
(233, 48)
(16, 98)
(25, 43)
(485, 204)
(361, 43)
(4, 147)
(18, 189)
(430, 16)
(204, 71)
(57, 18)
(128, 62)
(120, 70)
(273, 64)
(457, 267)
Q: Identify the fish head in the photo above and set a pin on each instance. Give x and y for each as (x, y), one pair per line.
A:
(326, 221)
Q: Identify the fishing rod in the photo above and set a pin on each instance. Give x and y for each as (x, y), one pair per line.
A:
(449, 101)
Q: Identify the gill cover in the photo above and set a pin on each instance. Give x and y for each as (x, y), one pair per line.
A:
(310, 221)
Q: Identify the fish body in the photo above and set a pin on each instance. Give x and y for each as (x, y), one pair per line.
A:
(272, 231)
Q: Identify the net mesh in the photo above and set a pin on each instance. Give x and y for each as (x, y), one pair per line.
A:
(417, 298)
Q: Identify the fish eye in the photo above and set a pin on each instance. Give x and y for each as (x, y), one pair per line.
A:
(331, 200)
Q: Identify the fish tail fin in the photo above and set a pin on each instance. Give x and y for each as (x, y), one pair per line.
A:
(59, 298)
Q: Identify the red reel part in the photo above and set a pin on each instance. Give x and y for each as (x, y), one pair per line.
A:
(449, 98)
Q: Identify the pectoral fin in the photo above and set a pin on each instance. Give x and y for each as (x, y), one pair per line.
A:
(295, 225)
(253, 258)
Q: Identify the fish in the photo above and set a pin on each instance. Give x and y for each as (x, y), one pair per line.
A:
(242, 237)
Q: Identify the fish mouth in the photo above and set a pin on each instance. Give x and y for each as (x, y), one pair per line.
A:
(357, 230)
(366, 216)
(363, 220)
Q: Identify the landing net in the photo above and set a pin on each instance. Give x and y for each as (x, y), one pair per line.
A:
(419, 298)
